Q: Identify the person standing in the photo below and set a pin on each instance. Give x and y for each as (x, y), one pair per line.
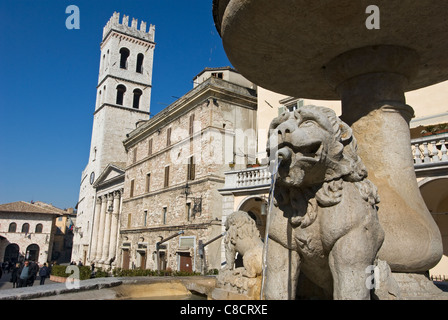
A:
(43, 273)
(14, 274)
(24, 274)
(34, 269)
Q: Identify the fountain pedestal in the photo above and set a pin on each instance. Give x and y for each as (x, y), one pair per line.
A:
(371, 82)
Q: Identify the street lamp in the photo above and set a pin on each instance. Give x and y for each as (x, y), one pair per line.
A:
(197, 202)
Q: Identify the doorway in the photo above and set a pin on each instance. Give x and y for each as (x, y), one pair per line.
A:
(142, 260)
(32, 252)
(185, 262)
(126, 259)
(11, 253)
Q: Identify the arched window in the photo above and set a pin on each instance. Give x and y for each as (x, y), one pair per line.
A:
(136, 101)
(25, 227)
(121, 89)
(12, 227)
(139, 68)
(39, 228)
(124, 54)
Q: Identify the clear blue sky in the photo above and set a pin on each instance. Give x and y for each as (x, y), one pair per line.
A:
(48, 78)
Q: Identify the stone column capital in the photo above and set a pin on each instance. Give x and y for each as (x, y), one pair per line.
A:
(117, 194)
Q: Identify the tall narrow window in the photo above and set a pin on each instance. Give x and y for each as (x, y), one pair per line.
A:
(131, 192)
(12, 227)
(136, 101)
(191, 127)
(25, 228)
(129, 220)
(150, 147)
(168, 137)
(188, 210)
(164, 215)
(166, 181)
(139, 67)
(148, 182)
(121, 89)
(145, 217)
(39, 228)
(134, 155)
(191, 169)
(124, 54)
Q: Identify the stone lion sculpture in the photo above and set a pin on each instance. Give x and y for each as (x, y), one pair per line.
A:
(324, 222)
(243, 237)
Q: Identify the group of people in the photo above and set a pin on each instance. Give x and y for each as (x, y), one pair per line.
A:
(24, 274)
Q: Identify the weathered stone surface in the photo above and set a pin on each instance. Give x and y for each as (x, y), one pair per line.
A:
(242, 237)
(325, 223)
(285, 47)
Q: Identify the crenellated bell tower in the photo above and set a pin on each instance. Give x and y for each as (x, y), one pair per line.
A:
(122, 100)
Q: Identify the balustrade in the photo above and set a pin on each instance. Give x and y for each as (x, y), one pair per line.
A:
(427, 151)
(430, 149)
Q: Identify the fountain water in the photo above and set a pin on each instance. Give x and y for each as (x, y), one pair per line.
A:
(283, 153)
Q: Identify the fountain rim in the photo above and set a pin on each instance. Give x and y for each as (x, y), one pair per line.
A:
(429, 69)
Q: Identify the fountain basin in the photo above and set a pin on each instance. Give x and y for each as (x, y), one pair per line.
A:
(286, 46)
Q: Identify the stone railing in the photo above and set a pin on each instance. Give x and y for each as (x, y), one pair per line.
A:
(430, 150)
(251, 178)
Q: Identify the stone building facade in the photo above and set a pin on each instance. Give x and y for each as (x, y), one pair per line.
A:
(27, 231)
(123, 100)
(175, 167)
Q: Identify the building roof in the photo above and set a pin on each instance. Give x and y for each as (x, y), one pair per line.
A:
(26, 207)
(216, 69)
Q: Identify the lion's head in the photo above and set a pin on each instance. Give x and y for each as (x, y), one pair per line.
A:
(315, 146)
(318, 153)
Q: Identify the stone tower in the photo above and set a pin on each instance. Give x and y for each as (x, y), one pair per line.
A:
(122, 100)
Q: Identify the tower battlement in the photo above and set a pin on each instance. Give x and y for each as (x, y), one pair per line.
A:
(133, 30)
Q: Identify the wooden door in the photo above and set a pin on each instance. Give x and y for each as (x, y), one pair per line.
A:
(185, 262)
(126, 259)
(142, 260)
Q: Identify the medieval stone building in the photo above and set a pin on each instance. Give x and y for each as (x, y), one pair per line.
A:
(175, 166)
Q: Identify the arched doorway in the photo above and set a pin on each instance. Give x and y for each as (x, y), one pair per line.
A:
(32, 252)
(11, 253)
(256, 207)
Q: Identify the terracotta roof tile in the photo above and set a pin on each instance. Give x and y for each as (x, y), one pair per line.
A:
(26, 207)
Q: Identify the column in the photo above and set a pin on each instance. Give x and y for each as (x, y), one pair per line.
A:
(107, 233)
(104, 206)
(114, 226)
(371, 82)
(96, 222)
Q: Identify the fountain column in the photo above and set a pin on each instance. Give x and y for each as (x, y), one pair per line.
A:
(371, 82)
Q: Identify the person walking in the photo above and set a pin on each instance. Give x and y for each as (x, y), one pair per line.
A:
(24, 274)
(43, 273)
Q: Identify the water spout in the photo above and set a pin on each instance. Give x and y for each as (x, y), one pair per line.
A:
(275, 164)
